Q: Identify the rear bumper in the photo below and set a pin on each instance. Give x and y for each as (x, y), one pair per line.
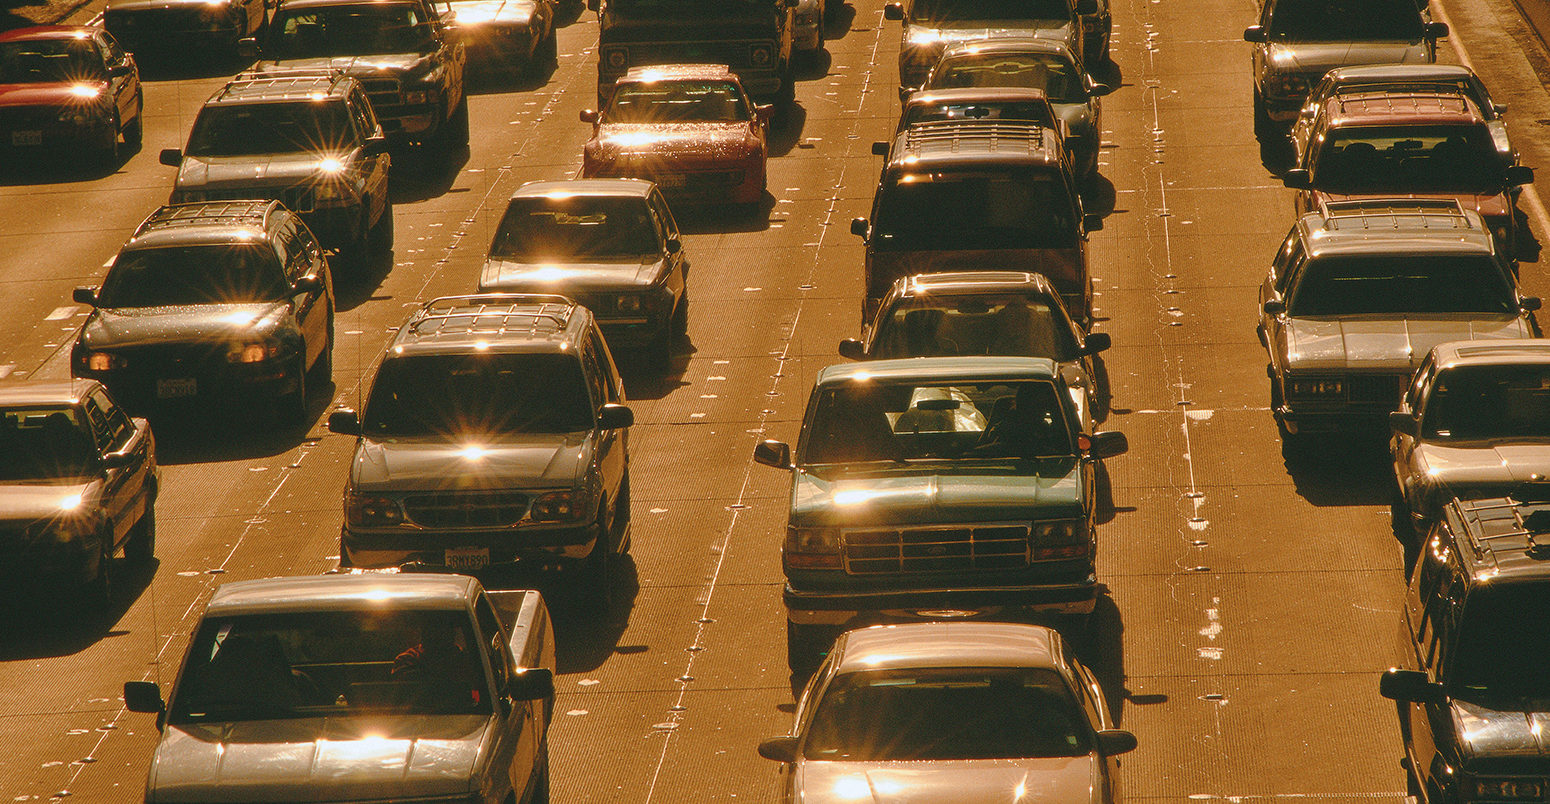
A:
(859, 608)
(547, 548)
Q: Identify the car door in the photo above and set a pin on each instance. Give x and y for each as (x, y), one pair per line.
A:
(373, 166)
(123, 78)
(311, 308)
(1427, 604)
(603, 382)
(1278, 286)
(516, 747)
(122, 488)
(667, 229)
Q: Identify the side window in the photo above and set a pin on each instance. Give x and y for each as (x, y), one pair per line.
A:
(494, 636)
(605, 367)
(360, 110)
(101, 432)
(1423, 380)
(1280, 266)
(664, 212)
(1294, 262)
(593, 368)
(289, 245)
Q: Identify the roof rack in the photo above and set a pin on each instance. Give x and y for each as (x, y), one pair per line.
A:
(1365, 213)
(1532, 529)
(203, 213)
(1392, 99)
(285, 79)
(492, 312)
(951, 134)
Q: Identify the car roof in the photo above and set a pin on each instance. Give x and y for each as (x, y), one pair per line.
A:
(343, 592)
(1378, 73)
(928, 97)
(1395, 225)
(37, 32)
(1508, 352)
(957, 283)
(204, 222)
(494, 323)
(638, 188)
(303, 4)
(1502, 539)
(284, 86)
(1413, 107)
(947, 644)
(1009, 44)
(33, 392)
(936, 369)
(678, 72)
(966, 143)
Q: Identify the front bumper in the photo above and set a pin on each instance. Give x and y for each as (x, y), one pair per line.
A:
(48, 566)
(182, 383)
(335, 227)
(548, 547)
(851, 609)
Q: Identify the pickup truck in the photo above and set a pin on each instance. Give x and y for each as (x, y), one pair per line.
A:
(367, 686)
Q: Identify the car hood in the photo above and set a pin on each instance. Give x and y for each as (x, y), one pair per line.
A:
(535, 277)
(500, 12)
(22, 503)
(1068, 779)
(136, 326)
(356, 66)
(275, 169)
(1386, 342)
(1486, 465)
(1516, 741)
(319, 759)
(1060, 30)
(987, 491)
(55, 94)
(423, 464)
(707, 140)
(1317, 58)
(1489, 205)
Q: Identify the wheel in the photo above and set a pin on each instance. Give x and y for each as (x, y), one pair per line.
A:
(806, 646)
(681, 315)
(291, 408)
(141, 547)
(454, 133)
(622, 514)
(540, 790)
(323, 370)
(134, 133)
(548, 50)
(659, 352)
(109, 154)
(344, 554)
(1262, 122)
(99, 591)
(382, 231)
(598, 586)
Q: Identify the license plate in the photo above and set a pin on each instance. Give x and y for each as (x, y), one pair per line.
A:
(176, 387)
(26, 138)
(467, 558)
(671, 180)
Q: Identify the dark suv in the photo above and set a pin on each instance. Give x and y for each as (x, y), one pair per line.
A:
(495, 433)
(1471, 689)
(215, 300)
(308, 138)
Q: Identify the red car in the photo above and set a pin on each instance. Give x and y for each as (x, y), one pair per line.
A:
(66, 88)
(689, 127)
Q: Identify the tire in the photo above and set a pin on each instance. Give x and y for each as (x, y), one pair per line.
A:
(344, 554)
(99, 591)
(680, 325)
(109, 155)
(454, 132)
(134, 133)
(622, 515)
(659, 353)
(381, 240)
(291, 408)
(598, 585)
(540, 792)
(548, 51)
(1263, 125)
(806, 647)
(141, 547)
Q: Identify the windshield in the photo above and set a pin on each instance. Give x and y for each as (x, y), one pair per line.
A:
(271, 128)
(1002, 210)
(866, 421)
(938, 12)
(1401, 284)
(1346, 21)
(480, 393)
(1409, 159)
(978, 111)
(573, 228)
(1471, 402)
(44, 443)
(50, 61)
(1500, 660)
(701, 8)
(952, 713)
(1060, 80)
(936, 325)
(678, 102)
(356, 29)
(178, 275)
(329, 664)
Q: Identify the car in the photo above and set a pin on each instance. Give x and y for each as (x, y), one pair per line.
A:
(964, 313)
(78, 484)
(928, 487)
(308, 138)
(1424, 144)
(978, 104)
(1360, 291)
(1472, 423)
(952, 711)
(807, 34)
(932, 26)
(357, 687)
(1297, 41)
(1470, 684)
(689, 127)
(68, 89)
(210, 303)
(610, 244)
(1010, 192)
(1402, 79)
(1037, 64)
(754, 39)
(495, 434)
(164, 30)
(402, 51)
(513, 35)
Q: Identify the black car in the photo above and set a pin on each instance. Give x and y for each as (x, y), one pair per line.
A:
(212, 301)
(167, 29)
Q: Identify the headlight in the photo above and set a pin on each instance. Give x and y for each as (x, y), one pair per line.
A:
(103, 361)
(187, 196)
(418, 96)
(252, 351)
(761, 55)
(627, 304)
(616, 58)
(1328, 388)
(811, 548)
(1287, 84)
(364, 510)
(1061, 539)
(1507, 788)
(331, 193)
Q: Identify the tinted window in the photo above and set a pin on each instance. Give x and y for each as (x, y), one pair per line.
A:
(1346, 20)
(1497, 662)
(178, 275)
(1005, 210)
(1474, 402)
(934, 325)
(44, 443)
(1059, 79)
(1394, 284)
(272, 128)
(356, 29)
(490, 394)
(1359, 159)
(575, 227)
(940, 11)
(979, 111)
(678, 102)
(48, 61)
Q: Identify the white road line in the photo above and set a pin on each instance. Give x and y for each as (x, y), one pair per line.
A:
(61, 312)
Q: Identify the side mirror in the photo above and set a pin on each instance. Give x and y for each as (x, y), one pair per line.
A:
(1096, 342)
(1403, 423)
(773, 453)
(122, 68)
(589, 116)
(172, 157)
(1499, 108)
(1255, 33)
(311, 283)
(1275, 307)
(614, 417)
(1098, 89)
(344, 422)
(879, 149)
(853, 349)
(247, 47)
(1437, 30)
(765, 112)
(860, 227)
(893, 11)
(87, 296)
(1530, 303)
(1113, 742)
(780, 749)
(118, 460)
(375, 146)
(1518, 175)
(1107, 444)
(1092, 222)
(673, 245)
(532, 684)
(1298, 179)
(143, 696)
(1410, 686)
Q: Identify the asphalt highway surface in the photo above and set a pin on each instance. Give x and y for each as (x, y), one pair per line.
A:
(1252, 598)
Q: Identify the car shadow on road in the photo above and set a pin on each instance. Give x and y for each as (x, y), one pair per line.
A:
(723, 218)
(643, 380)
(188, 66)
(785, 129)
(60, 168)
(1098, 196)
(423, 172)
(837, 22)
(1339, 468)
(357, 283)
(1275, 151)
(568, 13)
(492, 76)
(232, 433)
(60, 623)
(586, 633)
(811, 66)
(1100, 644)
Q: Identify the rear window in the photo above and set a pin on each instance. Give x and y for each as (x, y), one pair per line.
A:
(1480, 402)
(1392, 284)
(1059, 78)
(184, 275)
(678, 102)
(563, 228)
(1346, 20)
(1365, 159)
(479, 394)
(943, 11)
(1012, 209)
(49, 61)
(978, 111)
(937, 325)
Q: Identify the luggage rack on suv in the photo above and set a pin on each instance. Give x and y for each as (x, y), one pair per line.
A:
(293, 82)
(208, 213)
(493, 312)
(1422, 213)
(1491, 521)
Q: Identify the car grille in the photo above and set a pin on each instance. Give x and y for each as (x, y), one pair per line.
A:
(466, 509)
(382, 91)
(1375, 389)
(969, 548)
(296, 199)
(732, 54)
